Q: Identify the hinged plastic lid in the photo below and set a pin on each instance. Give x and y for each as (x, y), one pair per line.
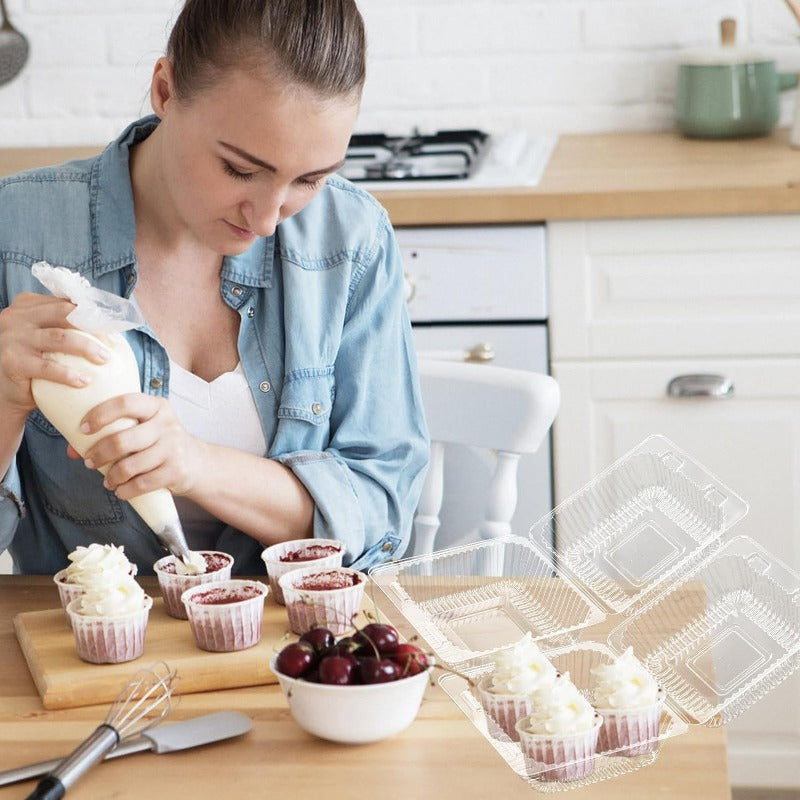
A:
(639, 523)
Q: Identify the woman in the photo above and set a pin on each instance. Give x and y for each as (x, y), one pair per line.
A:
(280, 394)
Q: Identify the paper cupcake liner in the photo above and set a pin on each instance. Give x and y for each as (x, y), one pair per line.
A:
(67, 592)
(276, 568)
(173, 585)
(505, 709)
(224, 627)
(632, 732)
(334, 609)
(109, 640)
(568, 757)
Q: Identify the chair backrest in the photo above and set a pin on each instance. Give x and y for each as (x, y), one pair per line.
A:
(507, 411)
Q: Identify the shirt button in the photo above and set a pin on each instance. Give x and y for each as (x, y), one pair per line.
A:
(317, 408)
(155, 383)
(236, 291)
(387, 546)
(251, 312)
(265, 386)
(130, 279)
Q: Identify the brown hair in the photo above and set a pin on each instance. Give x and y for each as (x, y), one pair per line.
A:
(319, 44)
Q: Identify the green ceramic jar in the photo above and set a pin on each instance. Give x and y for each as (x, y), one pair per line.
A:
(729, 100)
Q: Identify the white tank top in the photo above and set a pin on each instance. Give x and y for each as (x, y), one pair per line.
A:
(218, 412)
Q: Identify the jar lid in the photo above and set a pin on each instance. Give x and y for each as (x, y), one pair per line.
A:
(726, 53)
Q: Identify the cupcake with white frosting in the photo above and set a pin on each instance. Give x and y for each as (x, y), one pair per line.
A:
(559, 737)
(109, 618)
(506, 693)
(630, 702)
(85, 562)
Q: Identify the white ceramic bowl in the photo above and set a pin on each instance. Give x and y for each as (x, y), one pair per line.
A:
(354, 714)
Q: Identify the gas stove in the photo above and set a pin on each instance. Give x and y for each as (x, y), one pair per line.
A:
(447, 159)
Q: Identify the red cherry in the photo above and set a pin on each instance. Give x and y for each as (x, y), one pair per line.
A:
(295, 659)
(377, 670)
(338, 670)
(321, 639)
(384, 638)
(410, 659)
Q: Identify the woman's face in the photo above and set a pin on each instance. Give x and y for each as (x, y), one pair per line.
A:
(245, 154)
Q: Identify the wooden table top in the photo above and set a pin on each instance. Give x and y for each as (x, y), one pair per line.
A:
(441, 756)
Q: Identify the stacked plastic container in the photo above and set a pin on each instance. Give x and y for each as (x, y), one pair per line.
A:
(638, 558)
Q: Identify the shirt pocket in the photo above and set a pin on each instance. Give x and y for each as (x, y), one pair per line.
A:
(307, 395)
(65, 487)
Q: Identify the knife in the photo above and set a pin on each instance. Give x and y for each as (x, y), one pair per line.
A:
(161, 739)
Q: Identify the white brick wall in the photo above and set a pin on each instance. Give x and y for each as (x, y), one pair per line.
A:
(562, 66)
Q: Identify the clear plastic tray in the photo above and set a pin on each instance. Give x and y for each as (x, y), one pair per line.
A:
(642, 550)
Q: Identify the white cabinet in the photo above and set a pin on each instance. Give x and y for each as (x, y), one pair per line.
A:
(635, 304)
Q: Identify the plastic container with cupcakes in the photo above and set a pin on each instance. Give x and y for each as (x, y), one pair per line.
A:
(632, 581)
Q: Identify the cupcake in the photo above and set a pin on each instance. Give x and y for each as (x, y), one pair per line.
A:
(225, 616)
(559, 737)
(518, 672)
(298, 553)
(630, 702)
(174, 580)
(89, 561)
(319, 597)
(109, 619)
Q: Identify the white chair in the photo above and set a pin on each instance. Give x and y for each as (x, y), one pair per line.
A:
(506, 411)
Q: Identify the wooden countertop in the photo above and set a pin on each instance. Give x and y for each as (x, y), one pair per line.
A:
(441, 756)
(592, 176)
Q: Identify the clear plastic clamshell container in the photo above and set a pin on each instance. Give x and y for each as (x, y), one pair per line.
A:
(638, 558)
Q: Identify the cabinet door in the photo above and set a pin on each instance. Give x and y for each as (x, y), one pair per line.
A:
(671, 288)
(750, 441)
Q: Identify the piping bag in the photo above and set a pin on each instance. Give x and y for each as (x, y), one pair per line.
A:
(103, 316)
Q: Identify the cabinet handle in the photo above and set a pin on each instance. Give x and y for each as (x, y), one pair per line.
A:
(480, 354)
(714, 386)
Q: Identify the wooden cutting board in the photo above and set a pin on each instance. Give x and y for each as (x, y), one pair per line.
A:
(65, 681)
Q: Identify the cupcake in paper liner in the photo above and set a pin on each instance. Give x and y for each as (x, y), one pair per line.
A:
(226, 615)
(109, 621)
(630, 701)
(174, 580)
(297, 554)
(316, 596)
(90, 562)
(519, 671)
(559, 737)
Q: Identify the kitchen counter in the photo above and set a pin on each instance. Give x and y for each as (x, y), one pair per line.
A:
(441, 756)
(592, 176)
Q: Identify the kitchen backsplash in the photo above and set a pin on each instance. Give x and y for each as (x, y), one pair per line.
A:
(551, 66)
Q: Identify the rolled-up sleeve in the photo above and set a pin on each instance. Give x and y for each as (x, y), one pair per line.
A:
(11, 506)
(367, 481)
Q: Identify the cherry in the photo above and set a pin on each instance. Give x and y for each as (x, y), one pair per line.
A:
(338, 670)
(410, 659)
(347, 645)
(295, 659)
(378, 636)
(321, 639)
(377, 670)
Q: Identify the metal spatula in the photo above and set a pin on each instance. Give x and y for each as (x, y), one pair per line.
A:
(13, 48)
(163, 739)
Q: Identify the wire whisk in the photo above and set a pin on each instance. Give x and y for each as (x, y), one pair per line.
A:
(143, 703)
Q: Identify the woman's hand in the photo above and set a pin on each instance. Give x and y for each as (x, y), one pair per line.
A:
(30, 328)
(155, 453)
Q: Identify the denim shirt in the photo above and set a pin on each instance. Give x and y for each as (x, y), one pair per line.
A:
(324, 342)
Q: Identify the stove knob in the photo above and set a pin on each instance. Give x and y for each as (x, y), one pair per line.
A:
(410, 287)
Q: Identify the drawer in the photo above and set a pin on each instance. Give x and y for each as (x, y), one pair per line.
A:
(675, 287)
(475, 273)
